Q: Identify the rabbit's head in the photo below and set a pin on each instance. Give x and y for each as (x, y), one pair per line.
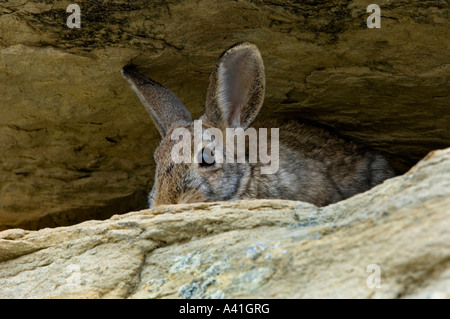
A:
(234, 98)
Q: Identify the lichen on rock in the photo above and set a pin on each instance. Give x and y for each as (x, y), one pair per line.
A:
(397, 231)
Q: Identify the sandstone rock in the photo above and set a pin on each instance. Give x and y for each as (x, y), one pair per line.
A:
(249, 249)
(76, 144)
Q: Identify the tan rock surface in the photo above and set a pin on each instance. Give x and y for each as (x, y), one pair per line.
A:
(249, 249)
(76, 144)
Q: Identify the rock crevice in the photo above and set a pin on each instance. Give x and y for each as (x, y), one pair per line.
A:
(76, 143)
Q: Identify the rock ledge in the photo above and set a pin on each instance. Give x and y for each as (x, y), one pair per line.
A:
(249, 249)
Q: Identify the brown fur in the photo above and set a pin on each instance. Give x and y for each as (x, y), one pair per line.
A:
(315, 166)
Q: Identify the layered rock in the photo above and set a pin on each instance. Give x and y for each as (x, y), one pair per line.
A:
(390, 242)
(76, 144)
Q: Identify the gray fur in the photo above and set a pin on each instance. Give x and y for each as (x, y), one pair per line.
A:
(315, 166)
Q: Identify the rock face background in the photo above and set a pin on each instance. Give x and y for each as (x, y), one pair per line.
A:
(76, 144)
(398, 232)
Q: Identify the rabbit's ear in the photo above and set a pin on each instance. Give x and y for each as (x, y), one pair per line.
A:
(236, 89)
(162, 104)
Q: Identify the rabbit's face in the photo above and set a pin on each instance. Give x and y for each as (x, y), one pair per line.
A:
(235, 96)
(206, 179)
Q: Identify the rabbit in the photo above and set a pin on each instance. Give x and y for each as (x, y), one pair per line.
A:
(315, 166)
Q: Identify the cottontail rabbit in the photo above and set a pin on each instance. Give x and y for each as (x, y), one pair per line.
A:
(313, 165)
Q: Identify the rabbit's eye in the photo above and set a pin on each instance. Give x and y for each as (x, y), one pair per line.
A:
(206, 158)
